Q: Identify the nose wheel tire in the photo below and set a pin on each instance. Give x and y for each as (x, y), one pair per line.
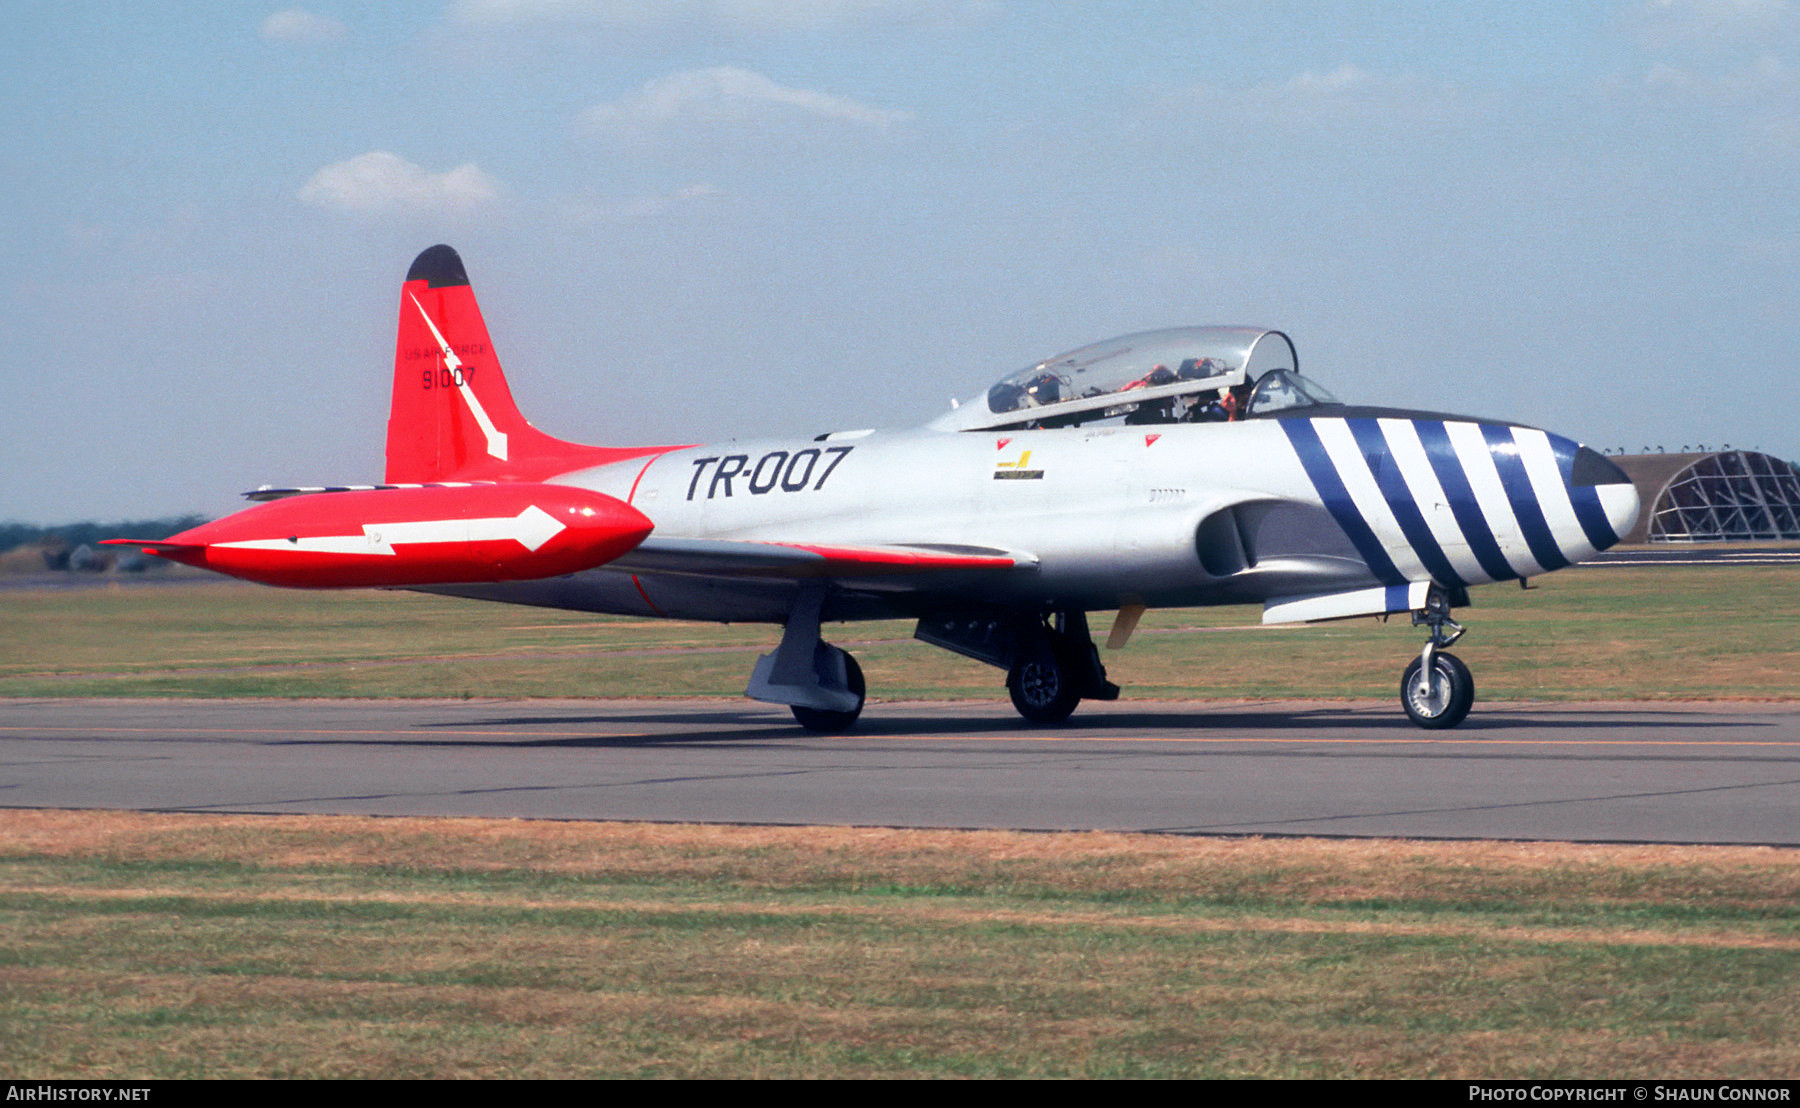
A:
(1043, 686)
(1441, 698)
(827, 722)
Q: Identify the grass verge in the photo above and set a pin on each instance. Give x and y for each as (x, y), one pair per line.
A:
(141, 945)
(1664, 632)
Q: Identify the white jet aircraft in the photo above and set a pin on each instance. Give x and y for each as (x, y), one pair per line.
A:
(1174, 468)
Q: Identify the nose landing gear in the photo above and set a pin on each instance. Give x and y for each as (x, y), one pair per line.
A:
(1437, 690)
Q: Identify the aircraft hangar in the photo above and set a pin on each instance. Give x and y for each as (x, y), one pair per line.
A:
(1716, 496)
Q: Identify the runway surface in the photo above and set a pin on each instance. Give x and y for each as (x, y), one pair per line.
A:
(1691, 554)
(1596, 772)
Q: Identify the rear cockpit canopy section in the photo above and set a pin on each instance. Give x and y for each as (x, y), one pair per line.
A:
(1177, 375)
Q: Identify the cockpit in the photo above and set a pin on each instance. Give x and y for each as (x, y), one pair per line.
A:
(1281, 390)
(1182, 375)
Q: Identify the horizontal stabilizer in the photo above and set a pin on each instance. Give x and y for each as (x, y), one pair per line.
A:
(728, 558)
(269, 492)
(152, 546)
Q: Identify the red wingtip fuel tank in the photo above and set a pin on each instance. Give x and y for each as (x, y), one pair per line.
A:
(415, 536)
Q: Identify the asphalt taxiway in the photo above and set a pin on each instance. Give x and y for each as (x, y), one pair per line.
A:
(1635, 772)
(1692, 554)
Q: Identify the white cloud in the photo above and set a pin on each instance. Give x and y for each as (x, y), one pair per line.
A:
(737, 15)
(1342, 78)
(380, 183)
(1763, 81)
(636, 208)
(725, 95)
(1680, 22)
(297, 25)
(1715, 35)
(1345, 96)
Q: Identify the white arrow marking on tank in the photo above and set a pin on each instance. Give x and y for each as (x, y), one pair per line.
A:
(531, 529)
(496, 439)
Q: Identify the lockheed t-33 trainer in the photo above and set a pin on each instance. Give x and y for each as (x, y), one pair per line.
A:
(1174, 468)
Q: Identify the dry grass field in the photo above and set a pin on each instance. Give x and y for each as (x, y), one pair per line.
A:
(1605, 633)
(142, 945)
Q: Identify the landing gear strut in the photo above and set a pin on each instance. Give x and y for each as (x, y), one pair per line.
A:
(1050, 661)
(1437, 690)
(822, 684)
(1055, 667)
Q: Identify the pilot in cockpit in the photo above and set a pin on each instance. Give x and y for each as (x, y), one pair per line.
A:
(1224, 407)
(1045, 388)
(1161, 410)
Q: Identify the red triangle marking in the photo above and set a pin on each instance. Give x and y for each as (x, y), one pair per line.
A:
(1001, 445)
(1149, 439)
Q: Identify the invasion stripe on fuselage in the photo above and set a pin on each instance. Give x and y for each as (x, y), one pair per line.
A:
(1357, 470)
(1435, 438)
(1490, 494)
(1504, 448)
(1405, 439)
(1304, 436)
(1402, 499)
(1592, 514)
(1552, 488)
(1388, 482)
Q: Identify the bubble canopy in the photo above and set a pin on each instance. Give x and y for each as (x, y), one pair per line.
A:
(1141, 377)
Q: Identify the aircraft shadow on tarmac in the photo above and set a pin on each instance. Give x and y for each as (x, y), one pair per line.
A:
(750, 726)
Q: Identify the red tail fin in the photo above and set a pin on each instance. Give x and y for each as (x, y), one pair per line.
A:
(453, 418)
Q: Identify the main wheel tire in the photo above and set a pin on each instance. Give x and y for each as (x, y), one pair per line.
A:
(1043, 686)
(827, 722)
(1443, 700)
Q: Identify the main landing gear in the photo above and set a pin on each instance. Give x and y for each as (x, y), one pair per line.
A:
(1050, 661)
(1051, 665)
(1437, 690)
(822, 684)
(843, 672)
(1043, 684)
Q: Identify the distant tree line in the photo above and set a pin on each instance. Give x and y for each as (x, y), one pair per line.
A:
(72, 545)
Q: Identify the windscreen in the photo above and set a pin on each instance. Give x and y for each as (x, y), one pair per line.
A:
(1282, 390)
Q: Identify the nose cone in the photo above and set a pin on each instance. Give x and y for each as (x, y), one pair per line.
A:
(1622, 507)
(1592, 475)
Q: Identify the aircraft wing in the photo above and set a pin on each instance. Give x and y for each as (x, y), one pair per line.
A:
(734, 558)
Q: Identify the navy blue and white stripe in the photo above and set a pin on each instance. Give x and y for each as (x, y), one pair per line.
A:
(1450, 501)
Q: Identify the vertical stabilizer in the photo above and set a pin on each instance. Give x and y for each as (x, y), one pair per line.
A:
(453, 416)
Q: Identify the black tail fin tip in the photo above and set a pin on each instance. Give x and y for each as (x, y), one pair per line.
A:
(440, 266)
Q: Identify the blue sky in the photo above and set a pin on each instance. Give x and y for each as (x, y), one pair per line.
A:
(700, 219)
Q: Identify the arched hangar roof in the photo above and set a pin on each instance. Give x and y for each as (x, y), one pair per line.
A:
(1723, 496)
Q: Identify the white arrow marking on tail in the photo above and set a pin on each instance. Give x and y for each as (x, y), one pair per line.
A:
(531, 529)
(496, 439)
